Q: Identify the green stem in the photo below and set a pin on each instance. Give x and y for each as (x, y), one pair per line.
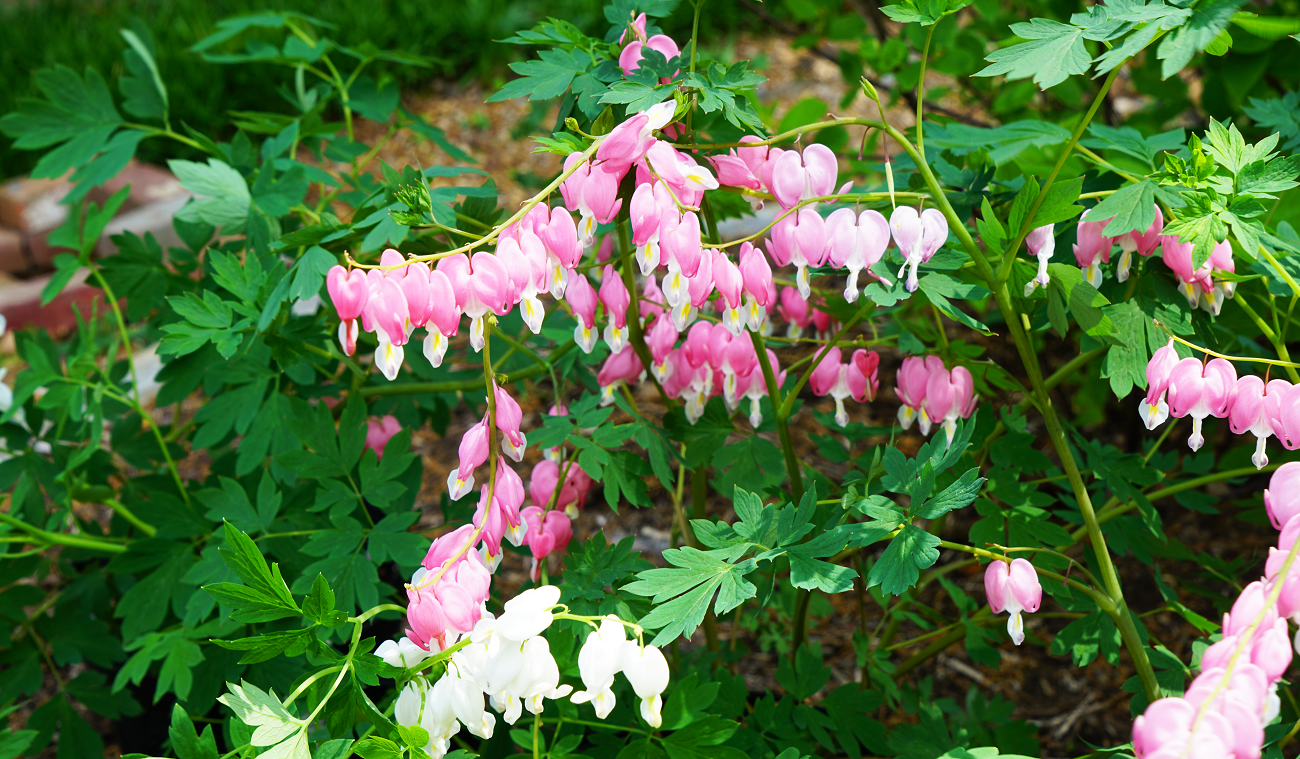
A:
(1009, 258)
(135, 382)
(782, 419)
(139, 523)
(1072, 366)
(62, 539)
(920, 89)
(699, 510)
(1107, 514)
(635, 337)
(695, 29)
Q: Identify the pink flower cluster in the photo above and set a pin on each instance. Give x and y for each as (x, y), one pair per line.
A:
(1199, 389)
(1224, 711)
(931, 393)
(1197, 285)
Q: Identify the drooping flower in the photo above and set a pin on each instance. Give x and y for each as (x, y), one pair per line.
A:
(379, 432)
(349, 292)
(1142, 243)
(1093, 248)
(1015, 588)
(1200, 390)
(647, 671)
(1154, 409)
(1042, 243)
(918, 237)
(598, 661)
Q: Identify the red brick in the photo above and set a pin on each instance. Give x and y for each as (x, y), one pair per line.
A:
(148, 183)
(32, 205)
(12, 258)
(41, 252)
(20, 302)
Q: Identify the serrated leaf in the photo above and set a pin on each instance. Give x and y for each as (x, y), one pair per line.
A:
(1051, 53)
(955, 496)
(1131, 207)
(691, 582)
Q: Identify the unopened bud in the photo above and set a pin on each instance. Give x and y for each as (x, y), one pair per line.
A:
(869, 90)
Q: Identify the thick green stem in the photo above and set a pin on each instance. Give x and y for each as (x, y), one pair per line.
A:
(1029, 358)
(126, 514)
(62, 539)
(699, 510)
(1009, 258)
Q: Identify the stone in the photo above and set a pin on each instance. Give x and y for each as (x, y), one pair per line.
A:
(149, 184)
(155, 218)
(33, 205)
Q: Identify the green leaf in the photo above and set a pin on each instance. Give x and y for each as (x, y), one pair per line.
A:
(1126, 362)
(1131, 207)
(939, 288)
(1052, 53)
(222, 194)
(1198, 223)
(1085, 301)
(923, 12)
(900, 565)
(262, 710)
(955, 496)
(269, 645)
(377, 748)
(1207, 21)
(264, 596)
(691, 582)
(1084, 638)
(146, 95)
(545, 78)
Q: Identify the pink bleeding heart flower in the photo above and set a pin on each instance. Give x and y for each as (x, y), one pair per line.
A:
(548, 532)
(489, 518)
(856, 242)
(1282, 496)
(1214, 293)
(794, 308)
(1249, 413)
(510, 494)
(389, 315)
(797, 177)
(1154, 408)
(581, 297)
(444, 317)
(1171, 728)
(615, 298)
(473, 452)
(918, 236)
(863, 375)
(458, 606)
(1142, 243)
(730, 284)
(448, 548)
(1015, 588)
(756, 279)
(509, 416)
(912, 379)
(426, 622)
(682, 248)
(379, 432)
(1283, 411)
(628, 142)
(831, 378)
(800, 239)
(698, 290)
(661, 338)
(739, 361)
(593, 193)
(419, 295)
(1042, 243)
(644, 214)
(349, 292)
(624, 366)
(630, 59)
(1200, 390)
(1092, 248)
(563, 250)
(757, 388)
(949, 396)
(1178, 257)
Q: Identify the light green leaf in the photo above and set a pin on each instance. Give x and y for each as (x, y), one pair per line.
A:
(900, 565)
(222, 194)
(1131, 207)
(1051, 53)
